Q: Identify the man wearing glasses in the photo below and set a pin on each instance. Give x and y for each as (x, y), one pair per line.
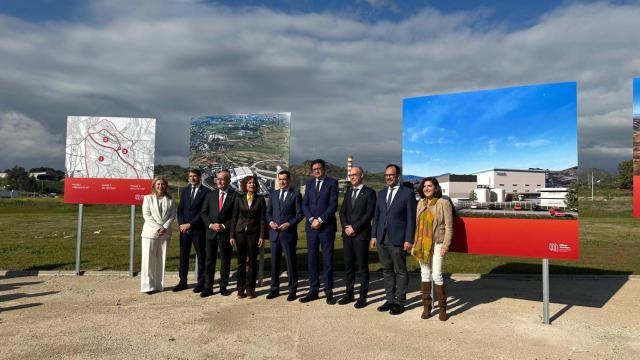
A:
(319, 206)
(356, 213)
(394, 223)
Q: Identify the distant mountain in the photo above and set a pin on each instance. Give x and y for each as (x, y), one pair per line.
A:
(562, 178)
(411, 178)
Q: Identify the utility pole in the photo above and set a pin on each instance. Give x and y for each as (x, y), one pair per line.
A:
(592, 186)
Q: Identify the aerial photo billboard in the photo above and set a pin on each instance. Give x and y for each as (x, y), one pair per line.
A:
(245, 144)
(636, 147)
(507, 159)
(109, 160)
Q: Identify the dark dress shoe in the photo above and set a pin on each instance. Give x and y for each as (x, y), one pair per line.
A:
(330, 300)
(180, 287)
(206, 293)
(241, 294)
(291, 297)
(396, 309)
(198, 289)
(385, 307)
(360, 303)
(309, 297)
(345, 300)
(272, 295)
(251, 293)
(151, 292)
(224, 291)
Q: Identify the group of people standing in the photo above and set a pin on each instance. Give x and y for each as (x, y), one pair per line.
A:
(391, 221)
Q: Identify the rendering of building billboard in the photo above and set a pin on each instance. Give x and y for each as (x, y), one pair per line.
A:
(109, 160)
(507, 159)
(245, 144)
(636, 147)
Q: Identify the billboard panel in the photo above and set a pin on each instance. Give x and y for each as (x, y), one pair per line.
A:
(244, 144)
(109, 160)
(507, 158)
(636, 147)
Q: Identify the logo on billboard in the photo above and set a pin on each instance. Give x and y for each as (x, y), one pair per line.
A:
(559, 248)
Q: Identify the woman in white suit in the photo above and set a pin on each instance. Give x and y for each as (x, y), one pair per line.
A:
(158, 211)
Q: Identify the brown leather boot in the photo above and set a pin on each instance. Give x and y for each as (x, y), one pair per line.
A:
(442, 302)
(425, 286)
(251, 293)
(241, 294)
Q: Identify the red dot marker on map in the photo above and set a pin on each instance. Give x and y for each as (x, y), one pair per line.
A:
(100, 158)
(105, 139)
(125, 151)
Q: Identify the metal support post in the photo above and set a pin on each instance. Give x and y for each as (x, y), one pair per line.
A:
(545, 291)
(79, 237)
(132, 239)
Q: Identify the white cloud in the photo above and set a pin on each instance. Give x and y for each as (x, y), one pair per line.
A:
(531, 144)
(343, 80)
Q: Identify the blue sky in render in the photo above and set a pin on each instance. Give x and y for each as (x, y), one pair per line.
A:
(518, 127)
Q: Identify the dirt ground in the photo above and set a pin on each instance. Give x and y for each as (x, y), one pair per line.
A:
(105, 316)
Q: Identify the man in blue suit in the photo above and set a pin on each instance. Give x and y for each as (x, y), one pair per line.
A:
(192, 230)
(394, 224)
(319, 205)
(283, 215)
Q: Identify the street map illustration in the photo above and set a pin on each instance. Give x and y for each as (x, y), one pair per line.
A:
(110, 147)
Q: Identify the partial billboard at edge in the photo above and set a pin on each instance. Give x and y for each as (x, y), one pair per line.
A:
(636, 147)
(507, 158)
(109, 160)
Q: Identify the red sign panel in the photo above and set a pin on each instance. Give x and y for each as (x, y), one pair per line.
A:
(105, 191)
(551, 239)
(636, 196)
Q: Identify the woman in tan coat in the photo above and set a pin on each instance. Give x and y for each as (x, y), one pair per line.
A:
(434, 230)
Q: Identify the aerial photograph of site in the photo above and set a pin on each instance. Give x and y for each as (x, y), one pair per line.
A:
(509, 152)
(245, 144)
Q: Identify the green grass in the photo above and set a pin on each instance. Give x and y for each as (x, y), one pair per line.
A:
(39, 234)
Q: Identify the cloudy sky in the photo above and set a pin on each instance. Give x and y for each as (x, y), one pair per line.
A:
(341, 68)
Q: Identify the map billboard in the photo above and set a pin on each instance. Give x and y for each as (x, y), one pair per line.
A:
(636, 147)
(245, 144)
(109, 160)
(507, 159)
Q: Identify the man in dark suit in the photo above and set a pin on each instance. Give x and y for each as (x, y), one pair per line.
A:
(358, 207)
(283, 215)
(192, 229)
(319, 205)
(394, 224)
(217, 212)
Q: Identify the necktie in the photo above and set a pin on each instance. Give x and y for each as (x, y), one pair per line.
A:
(221, 201)
(317, 186)
(281, 197)
(390, 193)
(354, 196)
(193, 192)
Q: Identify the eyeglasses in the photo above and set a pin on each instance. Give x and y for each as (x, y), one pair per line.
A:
(350, 175)
(390, 175)
(316, 169)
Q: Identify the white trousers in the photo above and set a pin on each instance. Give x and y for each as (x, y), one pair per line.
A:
(154, 256)
(433, 270)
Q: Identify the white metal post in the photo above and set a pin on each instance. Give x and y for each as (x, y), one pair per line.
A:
(545, 291)
(79, 237)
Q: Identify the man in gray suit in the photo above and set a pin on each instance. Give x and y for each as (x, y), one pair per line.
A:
(394, 224)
